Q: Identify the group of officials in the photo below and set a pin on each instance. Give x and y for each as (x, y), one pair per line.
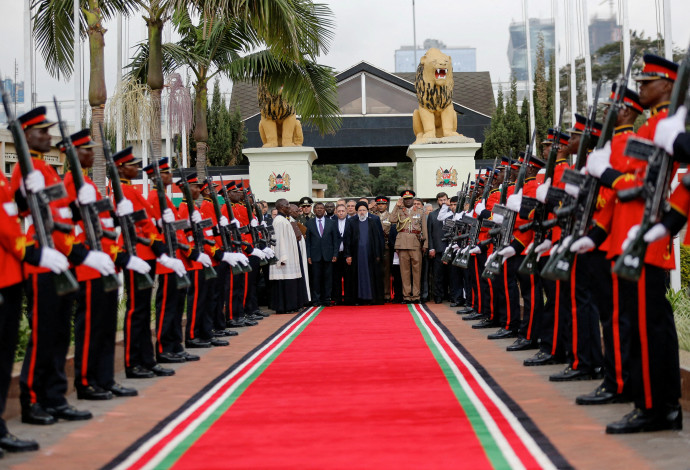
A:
(212, 303)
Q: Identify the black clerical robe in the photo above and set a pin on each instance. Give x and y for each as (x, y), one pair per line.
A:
(373, 255)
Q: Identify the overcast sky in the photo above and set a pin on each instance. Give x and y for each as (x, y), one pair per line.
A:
(372, 30)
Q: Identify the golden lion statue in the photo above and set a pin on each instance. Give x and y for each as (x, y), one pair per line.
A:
(279, 126)
(435, 116)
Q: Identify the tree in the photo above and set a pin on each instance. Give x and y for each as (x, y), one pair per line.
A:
(515, 127)
(216, 34)
(53, 31)
(540, 96)
(238, 136)
(524, 115)
(496, 142)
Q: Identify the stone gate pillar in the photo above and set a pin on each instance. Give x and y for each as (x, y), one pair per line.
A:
(280, 172)
(441, 167)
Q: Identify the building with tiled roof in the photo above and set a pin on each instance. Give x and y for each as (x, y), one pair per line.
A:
(376, 108)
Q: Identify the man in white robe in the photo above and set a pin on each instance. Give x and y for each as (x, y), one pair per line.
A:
(286, 274)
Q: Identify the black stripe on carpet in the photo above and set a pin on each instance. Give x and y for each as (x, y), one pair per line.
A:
(156, 429)
(539, 437)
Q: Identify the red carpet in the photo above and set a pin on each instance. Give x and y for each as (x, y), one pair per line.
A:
(365, 387)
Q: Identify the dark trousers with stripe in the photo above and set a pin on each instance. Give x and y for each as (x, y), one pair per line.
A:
(532, 303)
(95, 325)
(137, 325)
(456, 284)
(486, 290)
(198, 316)
(474, 275)
(585, 333)
(168, 314)
(43, 378)
(237, 290)
(508, 295)
(615, 330)
(217, 296)
(322, 282)
(10, 314)
(654, 364)
(250, 303)
(550, 340)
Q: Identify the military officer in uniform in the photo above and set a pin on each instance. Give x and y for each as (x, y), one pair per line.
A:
(409, 222)
(305, 206)
(382, 211)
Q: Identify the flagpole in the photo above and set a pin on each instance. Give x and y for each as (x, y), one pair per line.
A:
(626, 34)
(588, 59)
(573, 76)
(119, 139)
(557, 75)
(529, 67)
(76, 17)
(668, 37)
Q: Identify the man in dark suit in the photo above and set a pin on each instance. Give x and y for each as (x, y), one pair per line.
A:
(436, 248)
(340, 274)
(322, 252)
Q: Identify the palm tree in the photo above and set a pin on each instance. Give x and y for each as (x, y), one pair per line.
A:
(53, 32)
(292, 34)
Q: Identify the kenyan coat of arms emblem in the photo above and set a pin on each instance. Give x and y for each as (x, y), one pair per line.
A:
(446, 177)
(279, 183)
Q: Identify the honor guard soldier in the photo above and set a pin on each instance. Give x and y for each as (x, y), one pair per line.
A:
(43, 382)
(140, 362)
(198, 330)
(382, 203)
(95, 317)
(15, 249)
(410, 229)
(169, 298)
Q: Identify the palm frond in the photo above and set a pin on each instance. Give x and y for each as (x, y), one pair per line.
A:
(308, 86)
(174, 56)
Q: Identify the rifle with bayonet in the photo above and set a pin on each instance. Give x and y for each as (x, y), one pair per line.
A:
(475, 224)
(169, 228)
(540, 211)
(39, 202)
(234, 231)
(223, 231)
(495, 265)
(93, 230)
(451, 227)
(657, 182)
(126, 222)
(197, 227)
(256, 238)
(263, 232)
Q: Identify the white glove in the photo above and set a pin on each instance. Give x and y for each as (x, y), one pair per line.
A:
(544, 246)
(254, 223)
(498, 218)
(479, 207)
(507, 252)
(138, 265)
(100, 262)
(655, 233)
(174, 264)
(230, 259)
(168, 216)
(236, 222)
(458, 216)
(475, 250)
(34, 181)
(572, 189)
(583, 245)
(599, 160)
(529, 247)
(242, 258)
(455, 247)
(542, 190)
(490, 257)
(268, 252)
(86, 195)
(125, 207)
(565, 243)
(258, 253)
(204, 259)
(223, 221)
(554, 249)
(514, 201)
(464, 250)
(667, 130)
(263, 222)
(632, 234)
(53, 260)
(196, 217)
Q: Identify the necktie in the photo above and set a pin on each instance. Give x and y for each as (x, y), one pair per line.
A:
(320, 229)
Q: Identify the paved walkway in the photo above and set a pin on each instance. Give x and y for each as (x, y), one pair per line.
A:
(577, 432)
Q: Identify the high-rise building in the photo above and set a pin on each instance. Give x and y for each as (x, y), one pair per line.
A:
(464, 58)
(517, 45)
(603, 31)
